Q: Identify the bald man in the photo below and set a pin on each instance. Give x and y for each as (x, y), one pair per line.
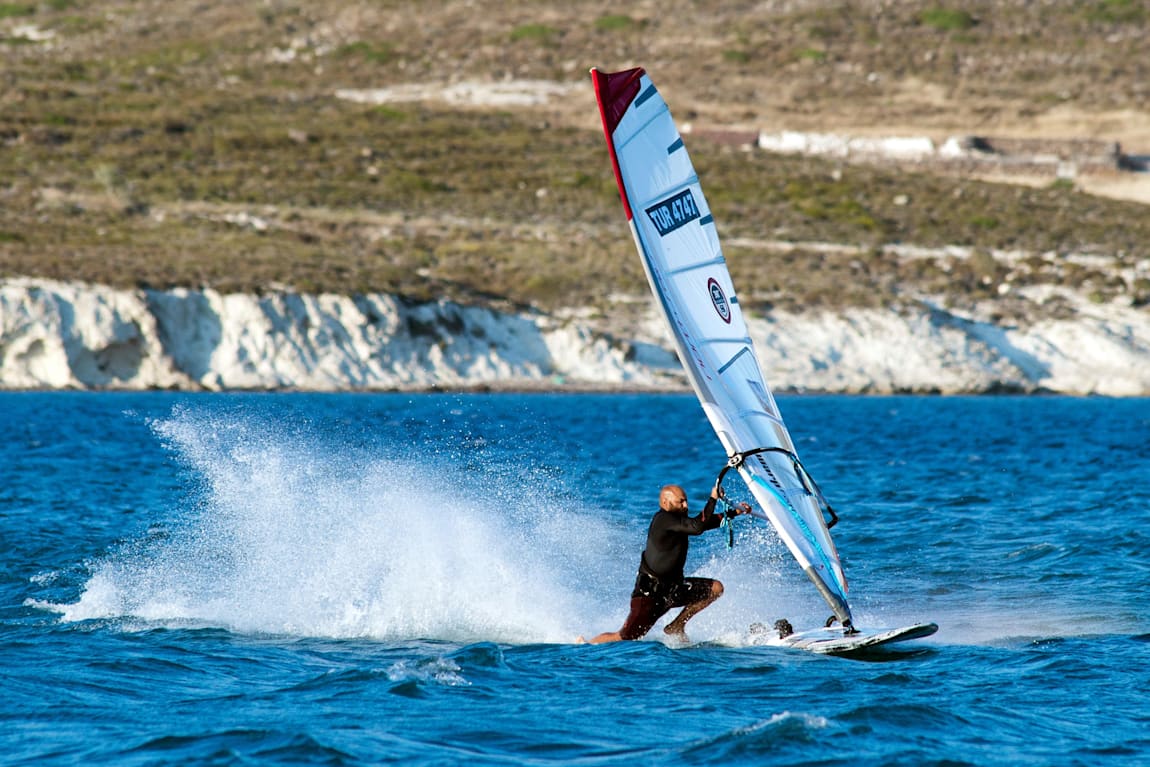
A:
(660, 585)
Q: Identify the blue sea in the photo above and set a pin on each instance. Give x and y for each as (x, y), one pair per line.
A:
(398, 579)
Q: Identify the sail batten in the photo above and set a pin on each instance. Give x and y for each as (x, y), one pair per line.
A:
(696, 265)
(730, 341)
(675, 234)
(758, 414)
(733, 360)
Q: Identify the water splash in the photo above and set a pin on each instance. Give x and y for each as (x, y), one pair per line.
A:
(288, 534)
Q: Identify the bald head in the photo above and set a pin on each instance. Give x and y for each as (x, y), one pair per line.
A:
(672, 498)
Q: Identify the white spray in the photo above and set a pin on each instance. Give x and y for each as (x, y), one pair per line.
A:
(288, 535)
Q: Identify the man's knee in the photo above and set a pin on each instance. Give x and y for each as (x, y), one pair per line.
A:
(716, 589)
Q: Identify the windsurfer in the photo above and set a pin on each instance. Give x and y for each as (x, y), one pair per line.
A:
(660, 585)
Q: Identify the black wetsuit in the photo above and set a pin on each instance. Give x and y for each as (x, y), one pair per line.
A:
(660, 584)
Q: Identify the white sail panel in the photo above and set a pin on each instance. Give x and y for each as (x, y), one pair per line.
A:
(677, 240)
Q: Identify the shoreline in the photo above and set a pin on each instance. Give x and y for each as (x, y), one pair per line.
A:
(521, 388)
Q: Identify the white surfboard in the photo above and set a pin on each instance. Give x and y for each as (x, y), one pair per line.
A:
(835, 641)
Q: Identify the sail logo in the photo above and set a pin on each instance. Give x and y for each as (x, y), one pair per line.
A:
(674, 212)
(719, 299)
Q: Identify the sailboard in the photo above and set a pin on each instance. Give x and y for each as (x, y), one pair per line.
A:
(833, 641)
(675, 234)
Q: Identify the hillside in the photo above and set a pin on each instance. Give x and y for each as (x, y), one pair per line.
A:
(211, 144)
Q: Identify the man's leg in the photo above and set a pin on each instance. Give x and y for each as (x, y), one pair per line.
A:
(700, 592)
(645, 611)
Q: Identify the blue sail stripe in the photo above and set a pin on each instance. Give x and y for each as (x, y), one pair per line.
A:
(645, 95)
(707, 219)
(675, 147)
(802, 525)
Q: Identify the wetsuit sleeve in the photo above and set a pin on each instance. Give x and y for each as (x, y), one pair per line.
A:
(707, 520)
(709, 517)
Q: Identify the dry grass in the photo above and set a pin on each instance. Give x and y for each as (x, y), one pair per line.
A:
(148, 144)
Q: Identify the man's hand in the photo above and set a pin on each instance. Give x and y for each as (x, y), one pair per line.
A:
(742, 508)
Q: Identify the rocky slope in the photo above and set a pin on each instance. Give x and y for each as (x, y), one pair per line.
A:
(70, 335)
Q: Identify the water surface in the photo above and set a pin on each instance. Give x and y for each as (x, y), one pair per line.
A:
(366, 579)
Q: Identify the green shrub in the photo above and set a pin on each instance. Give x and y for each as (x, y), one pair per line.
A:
(539, 32)
(10, 10)
(947, 20)
(614, 23)
(376, 53)
(385, 112)
(1116, 12)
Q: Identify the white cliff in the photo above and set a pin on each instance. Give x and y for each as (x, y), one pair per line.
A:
(68, 335)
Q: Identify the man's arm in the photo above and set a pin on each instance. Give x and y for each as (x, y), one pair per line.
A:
(708, 520)
(713, 520)
(708, 514)
(681, 523)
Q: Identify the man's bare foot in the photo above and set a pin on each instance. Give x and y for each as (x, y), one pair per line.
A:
(580, 640)
(677, 633)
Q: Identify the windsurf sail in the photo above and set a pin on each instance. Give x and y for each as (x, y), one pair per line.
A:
(676, 237)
